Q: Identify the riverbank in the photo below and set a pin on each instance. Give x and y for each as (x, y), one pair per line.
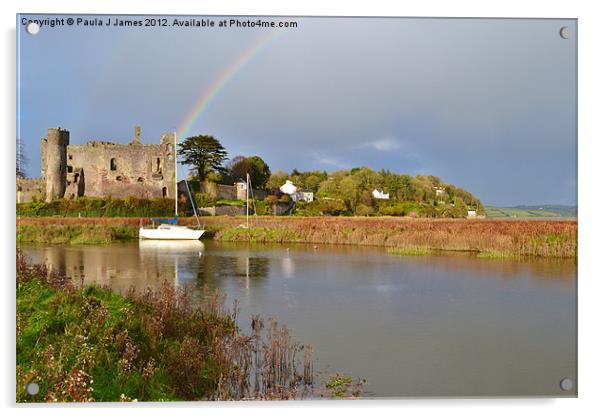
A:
(90, 344)
(404, 236)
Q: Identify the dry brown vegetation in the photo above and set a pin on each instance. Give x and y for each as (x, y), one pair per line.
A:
(491, 238)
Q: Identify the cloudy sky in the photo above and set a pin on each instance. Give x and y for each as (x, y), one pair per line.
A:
(489, 105)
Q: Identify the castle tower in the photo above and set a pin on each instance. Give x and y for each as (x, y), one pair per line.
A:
(136, 135)
(56, 163)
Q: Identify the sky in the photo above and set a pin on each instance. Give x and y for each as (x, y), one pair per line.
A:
(486, 104)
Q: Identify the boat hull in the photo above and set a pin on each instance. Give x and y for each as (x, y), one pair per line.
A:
(174, 233)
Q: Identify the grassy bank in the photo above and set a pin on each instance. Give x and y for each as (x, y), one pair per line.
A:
(488, 238)
(90, 344)
(75, 234)
(98, 207)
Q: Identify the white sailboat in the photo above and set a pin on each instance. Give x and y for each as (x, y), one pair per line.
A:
(170, 230)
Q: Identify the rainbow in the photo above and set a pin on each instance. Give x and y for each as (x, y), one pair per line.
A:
(221, 81)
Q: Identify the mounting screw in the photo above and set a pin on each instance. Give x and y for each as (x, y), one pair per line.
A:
(565, 32)
(32, 389)
(32, 28)
(566, 384)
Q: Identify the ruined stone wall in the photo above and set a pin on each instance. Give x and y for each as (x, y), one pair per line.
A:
(101, 169)
(120, 170)
(229, 191)
(31, 190)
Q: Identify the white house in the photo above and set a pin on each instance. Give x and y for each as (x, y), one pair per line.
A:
(297, 194)
(379, 194)
(472, 214)
(305, 195)
(288, 188)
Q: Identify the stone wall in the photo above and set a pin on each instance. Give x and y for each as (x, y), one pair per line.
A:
(222, 210)
(120, 170)
(31, 190)
(101, 168)
(236, 191)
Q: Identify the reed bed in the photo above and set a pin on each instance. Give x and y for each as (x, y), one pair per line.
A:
(490, 238)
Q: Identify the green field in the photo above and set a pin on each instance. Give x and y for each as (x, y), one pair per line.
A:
(535, 211)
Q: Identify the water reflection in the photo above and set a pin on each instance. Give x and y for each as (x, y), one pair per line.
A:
(413, 326)
(149, 262)
(245, 267)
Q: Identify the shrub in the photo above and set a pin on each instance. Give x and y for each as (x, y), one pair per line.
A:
(271, 199)
(202, 200)
(308, 209)
(263, 208)
(399, 209)
(364, 210)
(332, 206)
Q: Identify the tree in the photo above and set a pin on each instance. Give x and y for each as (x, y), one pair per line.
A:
(21, 160)
(258, 170)
(277, 179)
(204, 153)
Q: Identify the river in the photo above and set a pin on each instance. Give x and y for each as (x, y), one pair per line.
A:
(449, 325)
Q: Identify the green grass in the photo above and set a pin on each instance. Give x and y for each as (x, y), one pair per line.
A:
(98, 207)
(410, 251)
(545, 211)
(342, 385)
(230, 202)
(76, 234)
(260, 235)
(496, 255)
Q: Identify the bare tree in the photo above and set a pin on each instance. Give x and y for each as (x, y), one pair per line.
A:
(21, 160)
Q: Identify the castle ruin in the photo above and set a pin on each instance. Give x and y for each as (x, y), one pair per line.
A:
(101, 169)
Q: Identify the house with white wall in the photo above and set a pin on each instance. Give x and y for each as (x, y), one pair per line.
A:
(378, 194)
(296, 194)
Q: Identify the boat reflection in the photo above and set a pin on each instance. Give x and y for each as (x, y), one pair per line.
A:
(170, 247)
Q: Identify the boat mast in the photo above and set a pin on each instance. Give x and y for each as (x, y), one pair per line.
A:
(175, 158)
(247, 199)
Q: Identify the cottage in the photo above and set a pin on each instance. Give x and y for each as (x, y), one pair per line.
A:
(305, 195)
(472, 214)
(288, 188)
(297, 194)
(379, 194)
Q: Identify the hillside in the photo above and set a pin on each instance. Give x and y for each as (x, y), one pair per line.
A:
(532, 211)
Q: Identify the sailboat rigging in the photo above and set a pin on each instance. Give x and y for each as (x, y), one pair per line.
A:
(169, 229)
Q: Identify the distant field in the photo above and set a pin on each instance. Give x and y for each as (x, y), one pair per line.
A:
(525, 211)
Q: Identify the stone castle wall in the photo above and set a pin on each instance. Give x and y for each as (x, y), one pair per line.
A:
(101, 169)
(120, 170)
(31, 189)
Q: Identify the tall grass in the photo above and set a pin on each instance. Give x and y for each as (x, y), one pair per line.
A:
(490, 238)
(75, 234)
(90, 344)
(409, 251)
(98, 207)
